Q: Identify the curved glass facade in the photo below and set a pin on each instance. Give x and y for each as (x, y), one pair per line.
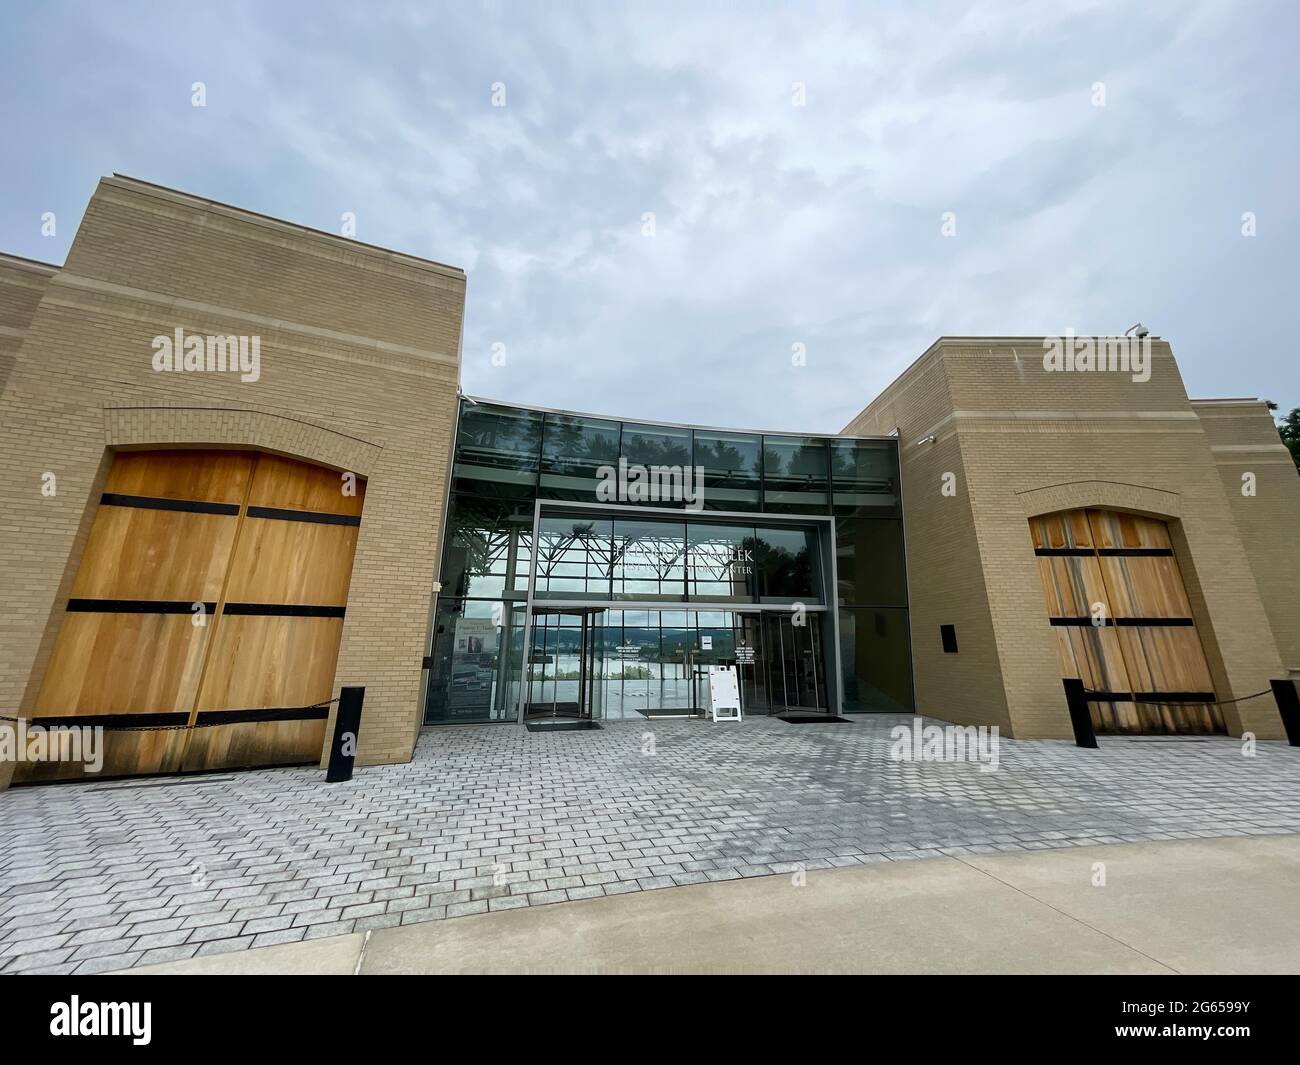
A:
(601, 564)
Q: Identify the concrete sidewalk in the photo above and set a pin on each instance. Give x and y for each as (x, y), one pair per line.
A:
(1227, 905)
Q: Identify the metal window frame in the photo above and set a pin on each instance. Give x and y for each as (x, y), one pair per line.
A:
(829, 576)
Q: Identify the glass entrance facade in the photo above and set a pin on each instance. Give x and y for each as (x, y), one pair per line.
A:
(654, 662)
(787, 563)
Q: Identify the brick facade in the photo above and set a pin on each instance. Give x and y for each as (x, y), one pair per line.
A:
(22, 284)
(1021, 440)
(1243, 440)
(359, 372)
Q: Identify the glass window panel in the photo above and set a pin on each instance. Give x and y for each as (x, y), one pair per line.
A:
(573, 449)
(649, 560)
(720, 562)
(464, 669)
(497, 450)
(674, 619)
(656, 445)
(788, 564)
(864, 473)
(795, 474)
(640, 631)
(573, 558)
(629, 650)
(731, 464)
(565, 642)
(717, 642)
(510, 669)
(659, 471)
(637, 668)
(612, 633)
(876, 660)
(483, 535)
(678, 637)
(869, 562)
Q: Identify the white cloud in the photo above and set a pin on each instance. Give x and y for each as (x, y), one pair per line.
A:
(774, 223)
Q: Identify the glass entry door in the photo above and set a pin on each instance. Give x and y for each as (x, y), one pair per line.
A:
(793, 663)
(562, 674)
(751, 664)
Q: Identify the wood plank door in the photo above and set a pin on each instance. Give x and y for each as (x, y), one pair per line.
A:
(273, 655)
(139, 621)
(210, 593)
(1116, 599)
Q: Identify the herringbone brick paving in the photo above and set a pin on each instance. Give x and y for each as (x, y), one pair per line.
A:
(102, 876)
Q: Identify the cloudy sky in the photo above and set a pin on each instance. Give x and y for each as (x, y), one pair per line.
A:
(781, 215)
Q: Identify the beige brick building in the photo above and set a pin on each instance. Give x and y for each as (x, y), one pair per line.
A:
(178, 543)
(1014, 441)
(359, 373)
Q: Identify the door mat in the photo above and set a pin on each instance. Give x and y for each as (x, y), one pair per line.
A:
(562, 726)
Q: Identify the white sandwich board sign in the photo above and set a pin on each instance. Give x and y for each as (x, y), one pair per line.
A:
(724, 693)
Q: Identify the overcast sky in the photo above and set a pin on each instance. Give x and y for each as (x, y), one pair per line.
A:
(774, 223)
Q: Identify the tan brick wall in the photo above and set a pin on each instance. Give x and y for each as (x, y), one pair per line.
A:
(945, 578)
(1244, 439)
(1031, 441)
(22, 283)
(359, 371)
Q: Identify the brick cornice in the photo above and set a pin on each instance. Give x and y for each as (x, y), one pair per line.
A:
(161, 201)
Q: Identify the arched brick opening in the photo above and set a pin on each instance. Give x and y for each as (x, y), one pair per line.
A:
(135, 428)
(1161, 509)
(1101, 495)
(210, 591)
(158, 427)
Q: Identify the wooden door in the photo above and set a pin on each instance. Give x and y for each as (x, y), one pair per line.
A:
(1115, 597)
(277, 636)
(207, 608)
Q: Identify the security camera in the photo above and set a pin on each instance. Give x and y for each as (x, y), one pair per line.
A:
(1139, 329)
(925, 440)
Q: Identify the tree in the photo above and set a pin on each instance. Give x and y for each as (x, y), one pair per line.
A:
(1288, 429)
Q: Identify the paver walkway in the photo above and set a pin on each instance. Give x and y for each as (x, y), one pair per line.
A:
(106, 875)
(1172, 906)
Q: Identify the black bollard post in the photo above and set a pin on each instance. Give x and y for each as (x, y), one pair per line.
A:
(1288, 705)
(347, 725)
(1080, 717)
